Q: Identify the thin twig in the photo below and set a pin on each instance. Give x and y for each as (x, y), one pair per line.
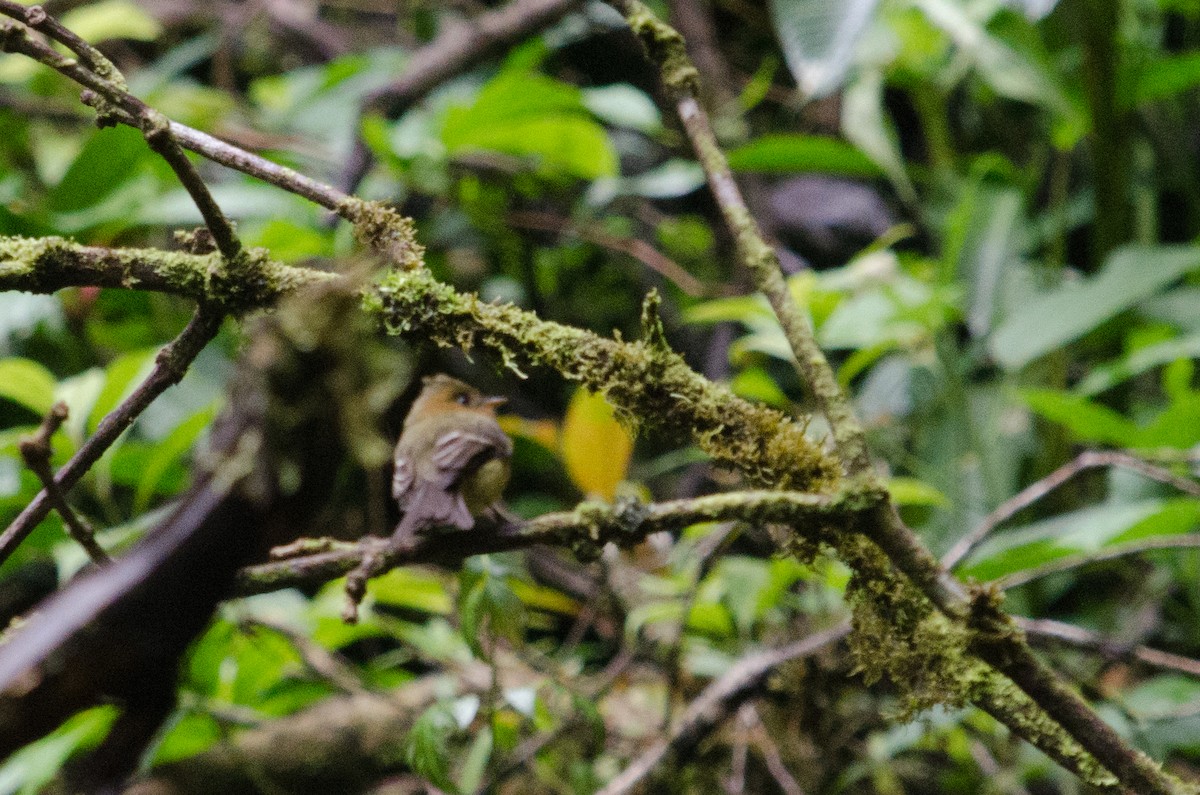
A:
(36, 451)
(154, 126)
(170, 365)
(1068, 562)
(716, 702)
(322, 662)
(118, 105)
(639, 249)
(1078, 636)
(1035, 491)
(157, 130)
(772, 757)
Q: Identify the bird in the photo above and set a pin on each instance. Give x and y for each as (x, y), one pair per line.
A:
(452, 460)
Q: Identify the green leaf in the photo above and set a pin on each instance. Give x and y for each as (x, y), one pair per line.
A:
(475, 765)
(412, 589)
(1167, 76)
(106, 162)
(525, 114)
(112, 19)
(427, 746)
(120, 379)
(865, 124)
(1106, 376)
(167, 453)
(27, 384)
(30, 769)
(791, 154)
(1054, 318)
(1078, 532)
(1086, 420)
(911, 491)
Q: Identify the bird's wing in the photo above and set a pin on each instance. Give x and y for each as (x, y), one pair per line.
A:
(427, 494)
(402, 477)
(460, 452)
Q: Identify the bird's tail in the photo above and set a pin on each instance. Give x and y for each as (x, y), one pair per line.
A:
(429, 506)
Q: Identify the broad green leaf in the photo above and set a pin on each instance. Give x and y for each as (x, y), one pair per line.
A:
(169, 452)
(187, 735)
(818, 38)
(106, 162)
(427, 746)
(1052, 319)
(1078, 532)
(120, 378)
(623, 105)
(112, 19)
(911, 491)
(29, 770)
(790, 154)
(865, 124)
(525, 114)
(28, 384)
(1086, 420)
(595, 447)
(1167, 76)
(412, 589)
(542, 597)
(475, 764)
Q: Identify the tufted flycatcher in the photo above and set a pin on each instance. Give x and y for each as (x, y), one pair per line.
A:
(452, 459)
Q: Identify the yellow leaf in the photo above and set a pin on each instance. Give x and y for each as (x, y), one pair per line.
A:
(595, 448)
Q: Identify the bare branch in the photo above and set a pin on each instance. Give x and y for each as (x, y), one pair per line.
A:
(457, 48)
(638, 249)
(1078, 636)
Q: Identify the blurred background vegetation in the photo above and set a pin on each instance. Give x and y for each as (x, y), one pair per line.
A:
(990, 210)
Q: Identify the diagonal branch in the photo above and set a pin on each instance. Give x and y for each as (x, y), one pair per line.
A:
(1088, 459)
(995, 638)
(170, 364)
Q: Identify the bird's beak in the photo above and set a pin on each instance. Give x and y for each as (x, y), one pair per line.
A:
(495, 401)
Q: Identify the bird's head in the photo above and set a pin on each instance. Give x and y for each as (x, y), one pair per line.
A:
(443, 393)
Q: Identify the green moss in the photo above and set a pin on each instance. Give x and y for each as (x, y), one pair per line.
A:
(650, 385)
(665, 47)
(384, 230)
(899, 635)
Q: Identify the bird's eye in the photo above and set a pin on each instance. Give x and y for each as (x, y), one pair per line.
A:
(462, 398)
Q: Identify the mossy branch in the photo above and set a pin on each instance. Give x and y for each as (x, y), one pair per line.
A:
(991, 633)
(585, 530)
(46, 264)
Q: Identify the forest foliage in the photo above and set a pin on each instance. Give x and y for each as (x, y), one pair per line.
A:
(988, 210)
